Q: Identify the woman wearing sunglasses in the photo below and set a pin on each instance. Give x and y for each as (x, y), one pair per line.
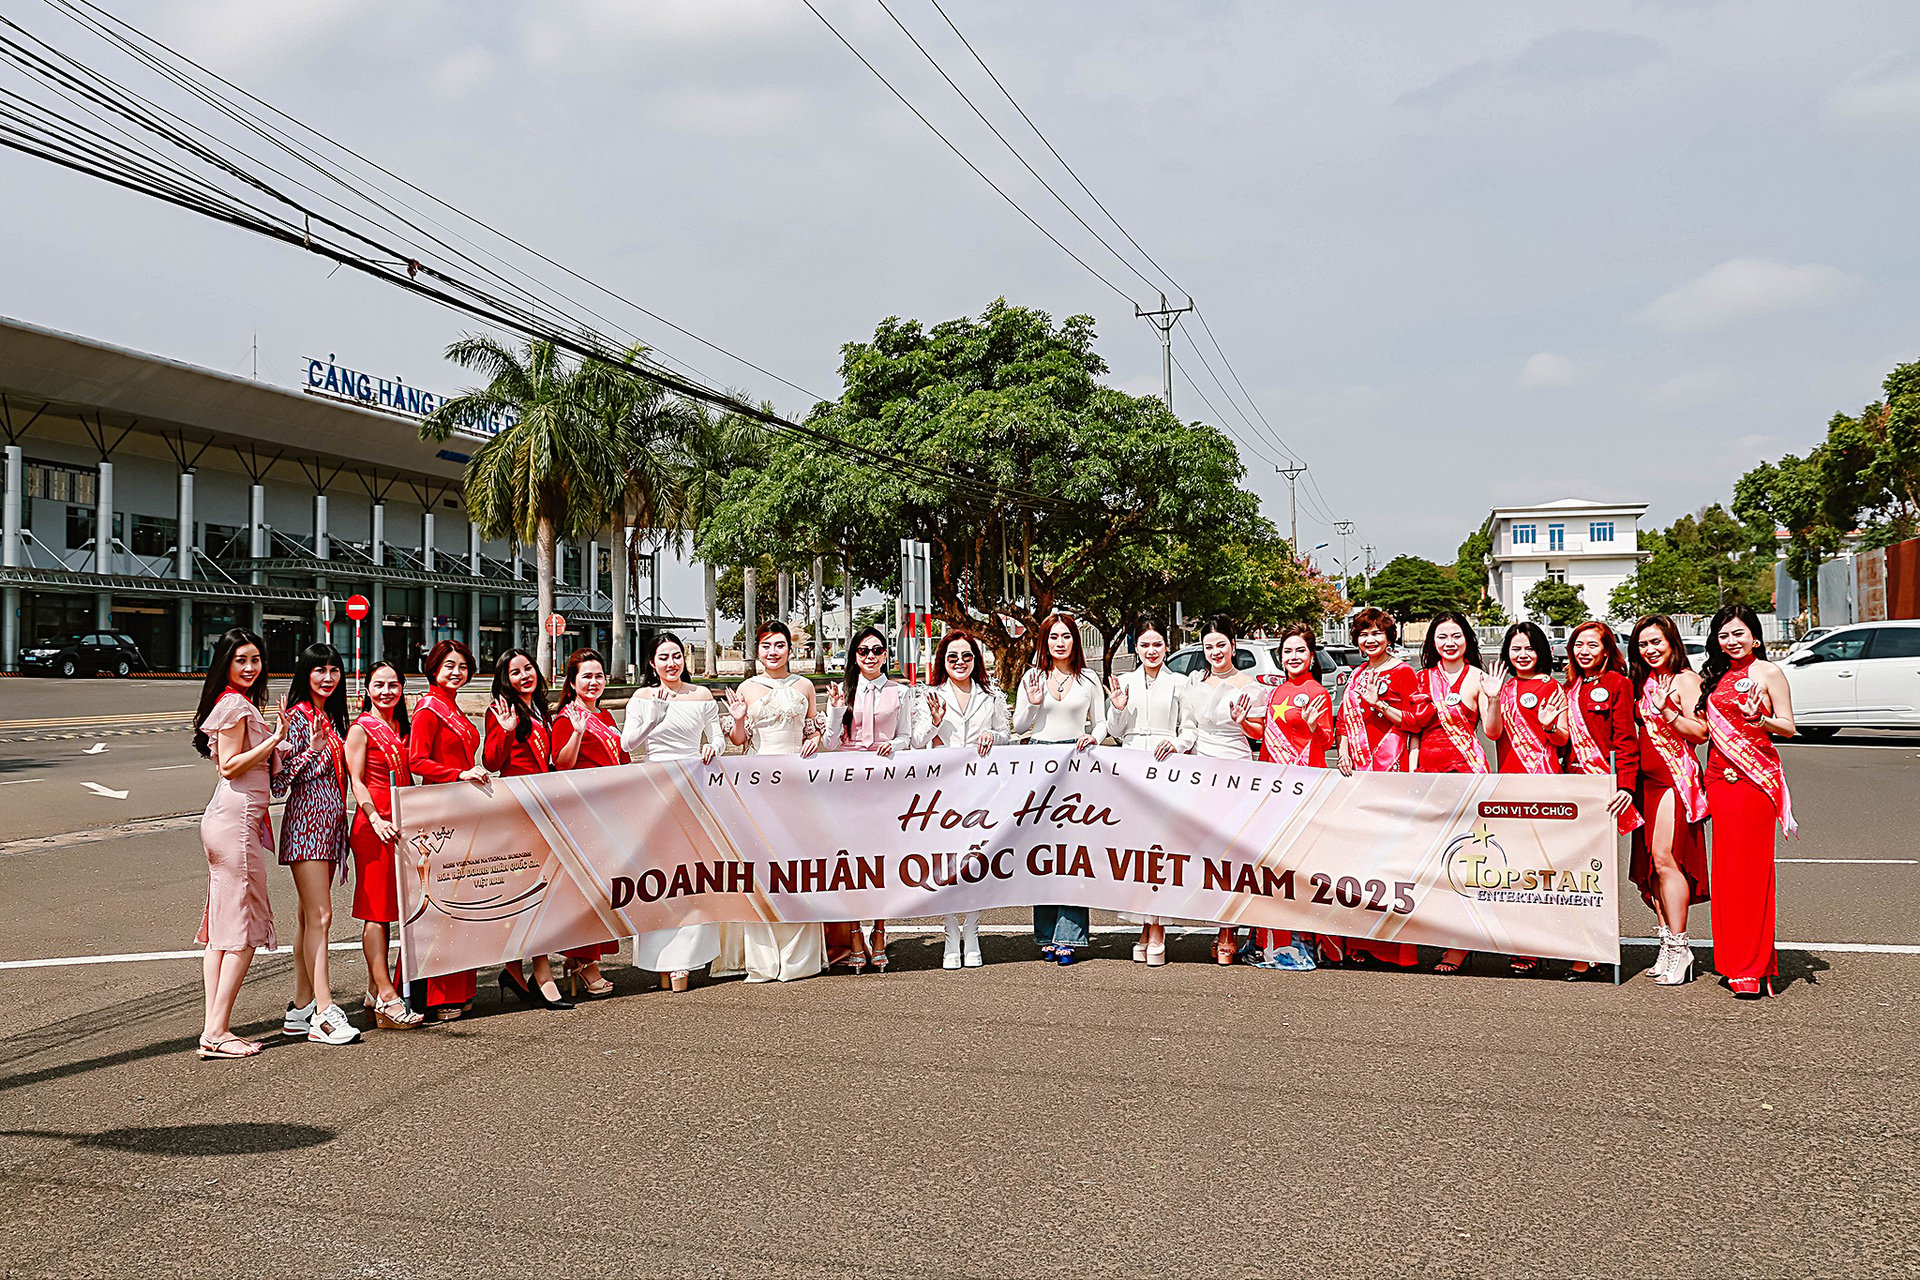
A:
(961, 709)
(866, 711)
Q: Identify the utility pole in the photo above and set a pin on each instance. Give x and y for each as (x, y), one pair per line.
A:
(1343, 528)
(1293, 474)
(1366, 549)
(1164, 319)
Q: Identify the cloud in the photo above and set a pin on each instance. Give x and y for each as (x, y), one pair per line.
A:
(1742, 288)
(1546, 371)
(1884, 92)
(1692, 389)
(1550, 62)
(459, 75)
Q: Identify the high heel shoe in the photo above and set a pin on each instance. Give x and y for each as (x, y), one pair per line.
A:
(877, 951)
(1156, 955)
(577, 980)
(1139, 953)
(1678, 969)
(514, 985)
(1223, 951)
(1750, 988)
(545, 1001)
(677, 980)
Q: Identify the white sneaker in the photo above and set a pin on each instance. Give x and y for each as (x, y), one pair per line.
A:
(330, 1026)
(970, 944)
(298, 1021)
(950, 958)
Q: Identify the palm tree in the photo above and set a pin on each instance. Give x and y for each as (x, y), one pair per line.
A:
(549, 475)
(646, 427)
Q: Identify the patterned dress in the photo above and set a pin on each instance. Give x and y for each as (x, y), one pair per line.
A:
(313, 779)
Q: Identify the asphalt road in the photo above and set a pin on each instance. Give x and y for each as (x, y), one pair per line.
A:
(1017, 1119)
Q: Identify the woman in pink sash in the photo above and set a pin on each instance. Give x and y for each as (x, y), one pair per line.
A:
(585, 737)
(1458, 704)
(376, 750)
(1529, 720)
(1601, 735)
(1297, 729)
(1381, 704)
(442, 748)
(1747, 705)
(867, 711)
(1669, 863)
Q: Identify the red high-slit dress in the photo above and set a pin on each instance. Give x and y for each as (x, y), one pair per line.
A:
(376, 895)
(1669, 774)
(599, 748)
(442, 746)
(1747, 793)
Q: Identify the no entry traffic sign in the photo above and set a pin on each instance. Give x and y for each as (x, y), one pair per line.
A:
(358, 608)
(556, 625)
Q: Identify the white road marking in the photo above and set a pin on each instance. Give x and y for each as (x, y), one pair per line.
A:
(1700, 944)
(1858, 862)
(162, 768)
(108, 792)
(15, 782)
(95, 749)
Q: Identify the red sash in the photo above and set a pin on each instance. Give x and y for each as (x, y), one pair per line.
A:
(382, 735)
(1455, 719)
(600, 725)
(1385, 756)
(1674, 751)
(1586, 752)
(1536, 753)
(441, 707)
(1279, 744)
(323, 731)
(1749, 747)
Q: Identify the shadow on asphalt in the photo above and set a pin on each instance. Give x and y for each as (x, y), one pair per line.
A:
(194, 1139)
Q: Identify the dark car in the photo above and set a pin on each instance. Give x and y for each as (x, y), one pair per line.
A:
(87, 654)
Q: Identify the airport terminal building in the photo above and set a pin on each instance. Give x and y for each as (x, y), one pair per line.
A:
(170, 503)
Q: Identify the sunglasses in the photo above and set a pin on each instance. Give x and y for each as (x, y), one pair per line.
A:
(959, 655)
(869, 651)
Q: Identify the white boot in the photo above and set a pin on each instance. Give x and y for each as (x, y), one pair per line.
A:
(1679, 970)
(1665, 957)
(950, 959)
(970, 934)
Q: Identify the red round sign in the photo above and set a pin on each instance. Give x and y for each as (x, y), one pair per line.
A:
(556, 625)
(358, 608)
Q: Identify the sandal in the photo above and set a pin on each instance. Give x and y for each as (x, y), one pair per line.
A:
(1223, 951)
(394, 1015)
(207, 1050)
(1523, 965)
(1449, 964)
(576, 976)
(877, 950)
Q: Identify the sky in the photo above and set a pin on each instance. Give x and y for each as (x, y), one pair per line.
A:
(1460, 255)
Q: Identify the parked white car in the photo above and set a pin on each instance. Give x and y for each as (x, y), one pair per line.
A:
(1866, 676)
(1262, 658)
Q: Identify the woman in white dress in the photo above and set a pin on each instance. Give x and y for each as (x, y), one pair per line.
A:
(773, 714)
(1226, 710)
(961, 708)
(1060, 701)
(867, 711)
(1150, 710)
(669, 719)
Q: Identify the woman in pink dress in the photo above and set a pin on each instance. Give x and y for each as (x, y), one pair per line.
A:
(229, 730)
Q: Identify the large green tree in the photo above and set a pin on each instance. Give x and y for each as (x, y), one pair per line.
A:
(1474, 559)
(1696, 565)
(1413, 589)
(1560, 604)
(552, 473)
(1038, 487)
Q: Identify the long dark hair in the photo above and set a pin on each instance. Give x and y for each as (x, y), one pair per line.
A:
(960, 636)
(1430, 651)
(574, 660)
(1677, 659)
(219, 680)
(851, 677)
(1610, 659)
(311, 659)
(529, 709)
(1077, 659)
(400, 719)
(1718, 663)
(1543, 651)
(649, 678)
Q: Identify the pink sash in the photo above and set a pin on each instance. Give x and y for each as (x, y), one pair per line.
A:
(1385, 757)
(600, 725)
(1674, 751)
(875, 720)
(1586, 752)
(1536, 753)
(382, 735)
(449, 715)
(1751, 751)
(1455, 719)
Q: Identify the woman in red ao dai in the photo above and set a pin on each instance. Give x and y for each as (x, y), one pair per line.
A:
(1602, 737)
(1669, 863)
(1529, 721)
(1381, 705)
(376, 750)
(229, 730)
(585, 737)
(520, 743)
(313, 836)
(1459, 703)
(1747, 704)
(1297, 728)
(442, 748)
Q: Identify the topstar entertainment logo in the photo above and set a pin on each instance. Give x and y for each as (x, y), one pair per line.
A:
(1477, 868)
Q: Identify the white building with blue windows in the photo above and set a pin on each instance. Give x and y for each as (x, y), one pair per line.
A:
(1590, 545)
